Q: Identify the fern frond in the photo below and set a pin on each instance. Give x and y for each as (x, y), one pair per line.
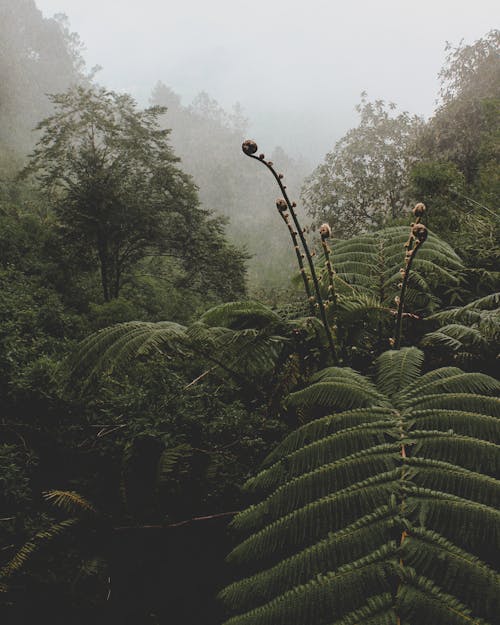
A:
(323, 451)
(472, 526)
(455, 480)
(366, 262)
(356, 540)
(396, 369)
(455, 336)
(378, 610)
(421, 601)
(459, 382)
(455, 570)
(17, 562)
(413, 388)
(70, 501)
(325, 426)
(464, 451)
(306, 525)
(113, 346)
(316, 484)
(169, 459)
(315, 602)
(472, 424)
(241, 315)
(336, 394)
(471, 402)
(394, 507)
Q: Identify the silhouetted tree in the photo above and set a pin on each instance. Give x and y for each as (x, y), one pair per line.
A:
(118, 191)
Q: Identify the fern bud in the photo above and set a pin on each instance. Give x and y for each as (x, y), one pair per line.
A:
(325, 231)
(281, 205)
(419, 231)
(249, 147)
(419, 209)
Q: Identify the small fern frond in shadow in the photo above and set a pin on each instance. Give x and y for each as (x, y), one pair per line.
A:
(70, 502)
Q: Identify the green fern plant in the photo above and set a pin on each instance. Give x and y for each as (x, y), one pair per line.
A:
(468, 333)
(370, 265)
(383, 509)
(368, 276)
(68, 501)
(245, 341)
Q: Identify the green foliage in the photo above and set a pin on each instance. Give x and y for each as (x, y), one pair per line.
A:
(436, 183)
(364, 180)
(459, 180)
(380, 512)
(245, 341)
(469, 333)
(469, 78)
(118, 192)
(367, 278)
(384, 503)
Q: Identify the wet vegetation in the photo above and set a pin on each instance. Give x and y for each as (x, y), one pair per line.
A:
(192, 370)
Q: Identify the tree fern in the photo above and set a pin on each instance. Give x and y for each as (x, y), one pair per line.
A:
(368, 274)
(383, 511)
(369, 264)
(468, 333)
(247, 337)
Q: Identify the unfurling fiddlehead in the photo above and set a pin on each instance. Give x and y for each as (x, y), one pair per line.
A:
(250, 148)
(418, 234)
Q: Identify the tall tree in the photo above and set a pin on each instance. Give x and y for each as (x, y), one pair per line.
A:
(37, 56)
(462, 129)
(118, 192)
(458, 175)
(364, 180)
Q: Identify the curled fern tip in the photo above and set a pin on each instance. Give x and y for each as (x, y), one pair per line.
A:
(249, 147)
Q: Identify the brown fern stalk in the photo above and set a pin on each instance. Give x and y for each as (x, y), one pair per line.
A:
(418, 235)
(326, 232)
(250, 148)
(282, 207)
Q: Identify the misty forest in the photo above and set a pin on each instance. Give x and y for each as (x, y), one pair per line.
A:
(239, 386)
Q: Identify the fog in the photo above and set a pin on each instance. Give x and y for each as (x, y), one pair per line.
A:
(297, 68)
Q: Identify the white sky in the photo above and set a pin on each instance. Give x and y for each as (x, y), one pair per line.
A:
(297, 68)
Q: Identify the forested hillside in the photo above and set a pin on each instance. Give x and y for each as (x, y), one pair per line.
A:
(193, 370)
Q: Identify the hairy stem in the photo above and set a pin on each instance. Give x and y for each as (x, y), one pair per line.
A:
(418, 234)
(293, 234)
(332, 294)
(249, 148)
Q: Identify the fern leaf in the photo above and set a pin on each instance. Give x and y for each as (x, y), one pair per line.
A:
(241, 315)
(20, 558)
(377, 515)
(397, 368)
(70, 501)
